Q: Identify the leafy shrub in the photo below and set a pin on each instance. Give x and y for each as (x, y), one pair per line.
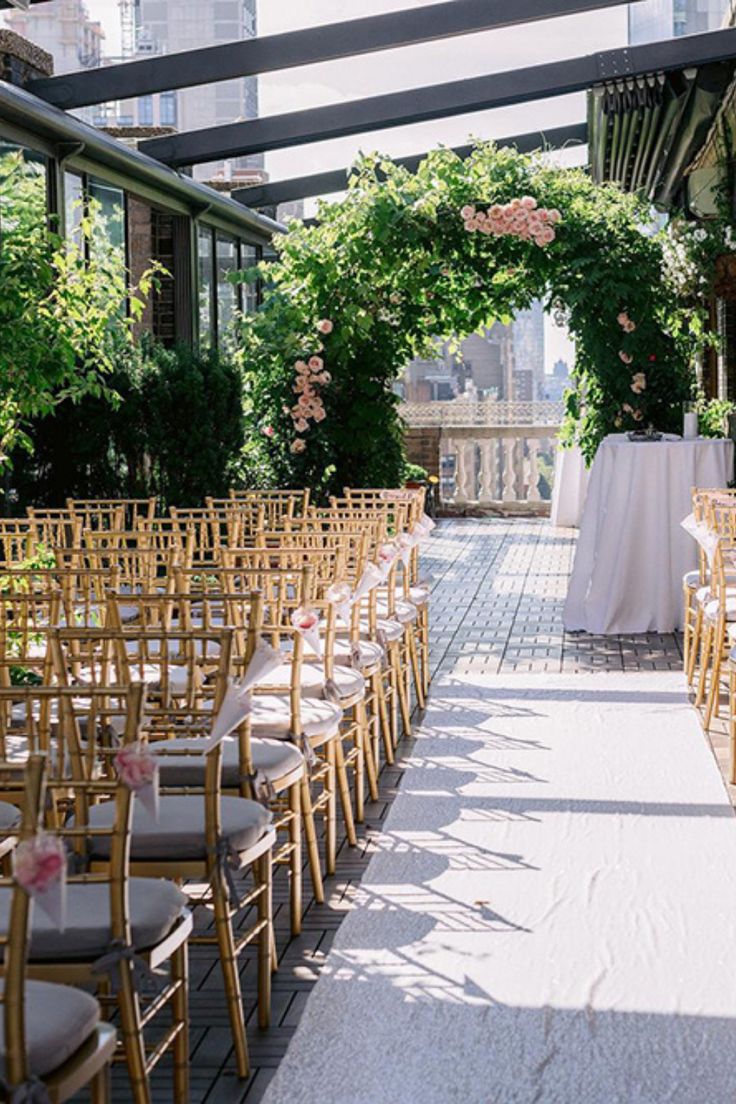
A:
(175, 430)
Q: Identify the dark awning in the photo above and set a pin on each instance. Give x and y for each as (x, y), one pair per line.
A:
(644, 131)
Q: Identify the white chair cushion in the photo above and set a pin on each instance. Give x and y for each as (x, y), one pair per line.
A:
(371, 653)
(712, 608)
(155, 905)
(272, 759)
(271, 717)
(419, 594)
(179, 832)
(404, 611)
(393, 629)
(348, 681)
(59, 1019)
(691, 579)
(9, 815)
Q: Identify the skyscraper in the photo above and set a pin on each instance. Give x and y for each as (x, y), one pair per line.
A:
(652, 20)
(170, 26)
(528, 342)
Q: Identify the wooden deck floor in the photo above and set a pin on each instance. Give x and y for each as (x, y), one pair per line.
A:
(498, 591)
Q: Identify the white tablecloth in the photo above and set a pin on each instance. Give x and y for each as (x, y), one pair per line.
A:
(632, 551)
(569, 489)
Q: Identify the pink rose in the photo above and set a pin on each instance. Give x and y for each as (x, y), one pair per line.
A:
(316, 364)
(470, 225)
(299, 386)
(320, 414)
(298, 445)
(514, 205)
(637, 415)
(267, 431)
(629, 327)
(325, 326)
(467, 212)
(300, 367)
(496, 211)
(554, 215)
(301, 425)
(623, 319)
(625, 357)
(529, 202)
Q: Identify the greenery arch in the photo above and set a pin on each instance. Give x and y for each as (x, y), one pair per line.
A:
(402, 258)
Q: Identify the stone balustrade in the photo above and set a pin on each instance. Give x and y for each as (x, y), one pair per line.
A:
(494, 456)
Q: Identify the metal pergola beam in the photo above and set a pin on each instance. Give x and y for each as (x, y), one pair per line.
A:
(439, 101)
(305, 47)
(324, 183)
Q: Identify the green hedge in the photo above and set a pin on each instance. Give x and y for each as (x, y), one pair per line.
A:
(177, 433)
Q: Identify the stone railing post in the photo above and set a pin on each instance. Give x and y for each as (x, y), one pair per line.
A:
(509, 469)
(533, 494)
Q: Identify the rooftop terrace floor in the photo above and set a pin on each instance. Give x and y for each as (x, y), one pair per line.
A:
(498, 591)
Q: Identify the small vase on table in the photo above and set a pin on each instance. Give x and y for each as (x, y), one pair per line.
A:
(689, 422)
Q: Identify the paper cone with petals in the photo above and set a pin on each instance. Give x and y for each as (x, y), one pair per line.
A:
(307, 622)
(264, 662)
(372, 576)
(233, 711)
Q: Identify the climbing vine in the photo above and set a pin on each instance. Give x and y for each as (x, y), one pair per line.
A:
(451, 248)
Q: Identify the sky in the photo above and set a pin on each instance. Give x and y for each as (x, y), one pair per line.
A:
(426, 64)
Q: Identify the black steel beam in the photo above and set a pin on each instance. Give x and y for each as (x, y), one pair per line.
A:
(295, 48)
(324, 183)
(537, 82)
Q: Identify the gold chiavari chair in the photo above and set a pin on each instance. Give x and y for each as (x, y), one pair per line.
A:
(145, 567)
(277, 504)
(391, 604)
(117, 930)
(719, 618)
(269, 770)
(97, 516)
(204, 528)
(17, 541)
(25, 623)
(53, 1043)
(55, 528)
(169, 538)
(198, 834)
(696, 588)
(100, 513)
(282, 709)
(367, 642)
(335, 673)
(239, 519)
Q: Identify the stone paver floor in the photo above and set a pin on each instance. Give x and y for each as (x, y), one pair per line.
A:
(498, 590)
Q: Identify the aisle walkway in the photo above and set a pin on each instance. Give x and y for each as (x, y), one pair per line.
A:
(549, 916)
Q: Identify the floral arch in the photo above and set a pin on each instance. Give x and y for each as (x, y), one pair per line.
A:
(448, 249)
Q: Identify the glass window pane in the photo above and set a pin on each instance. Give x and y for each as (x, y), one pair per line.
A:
(167, 109)
(73, 207)
(249, 259)
(227, 299)
(107, 208)
(204, 284)
(145, 111)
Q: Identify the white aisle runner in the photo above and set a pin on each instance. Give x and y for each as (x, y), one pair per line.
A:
(551, 918)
